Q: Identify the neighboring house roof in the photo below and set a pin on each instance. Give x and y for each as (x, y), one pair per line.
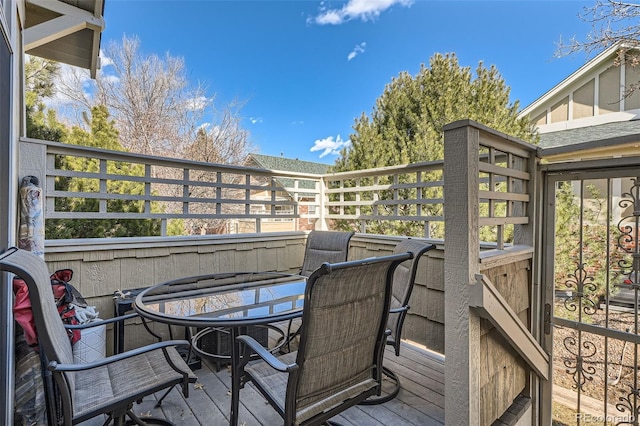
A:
(622, 131)
(294, 165)
(289, 164)
(603, 140)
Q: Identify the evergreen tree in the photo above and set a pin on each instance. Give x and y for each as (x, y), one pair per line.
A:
(406, 126)
(406, 123)
(41, 122)
(102, 134)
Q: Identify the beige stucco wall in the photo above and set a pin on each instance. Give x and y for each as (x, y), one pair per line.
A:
(609, 91)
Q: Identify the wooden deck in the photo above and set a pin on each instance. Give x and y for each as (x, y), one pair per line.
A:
(420, 401)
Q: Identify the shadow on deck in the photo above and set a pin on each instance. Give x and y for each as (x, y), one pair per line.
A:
(420, 401)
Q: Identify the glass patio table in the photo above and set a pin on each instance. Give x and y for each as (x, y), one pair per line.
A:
(229, 301)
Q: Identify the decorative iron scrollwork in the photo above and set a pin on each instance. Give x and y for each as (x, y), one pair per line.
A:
(628, 228)
(629, 266)
(576, 367)
(584, 295)
(626, 406)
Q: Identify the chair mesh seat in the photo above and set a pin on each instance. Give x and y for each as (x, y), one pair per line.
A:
(140, 375)
(324, 246)
(275, 383)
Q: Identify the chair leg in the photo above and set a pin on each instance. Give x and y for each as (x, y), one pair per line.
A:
(391, 376)
(135, 420)
(287, 338)
(162, 397)
(106, 422)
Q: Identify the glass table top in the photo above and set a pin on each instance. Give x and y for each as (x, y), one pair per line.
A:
(224, 299)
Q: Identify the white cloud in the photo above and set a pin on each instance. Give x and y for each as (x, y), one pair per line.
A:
(255, 120)
(357, 50)
(330, 146)
(104, 60)
(365, 10)
(111, 78)
(198, 104)
(297, 123)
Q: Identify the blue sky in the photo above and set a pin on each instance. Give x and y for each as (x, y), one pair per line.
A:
(307, 69)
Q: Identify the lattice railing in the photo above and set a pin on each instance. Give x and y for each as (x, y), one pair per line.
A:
(88, 183)
(504, 187)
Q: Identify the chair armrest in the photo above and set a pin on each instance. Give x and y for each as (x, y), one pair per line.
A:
(101, 322)
(55, 366)
(252, 346)
(398, 310)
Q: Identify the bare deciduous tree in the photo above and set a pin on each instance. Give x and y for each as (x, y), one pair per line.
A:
(157, 111)
(611, 21)
(155, 107)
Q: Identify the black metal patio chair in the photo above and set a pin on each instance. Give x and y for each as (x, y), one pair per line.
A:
(321, 247)
(403, 280)
(342, 338)
(324, 246)
(107, 386)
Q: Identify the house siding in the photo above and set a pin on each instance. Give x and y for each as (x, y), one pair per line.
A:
(503, 372)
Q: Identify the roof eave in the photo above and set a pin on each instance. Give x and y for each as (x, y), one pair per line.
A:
(67, 31)
(580, 72)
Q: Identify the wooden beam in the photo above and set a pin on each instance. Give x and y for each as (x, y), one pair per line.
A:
(61, 8)
(461, 264)
(71, 19)
(51, 30)
(490, 304)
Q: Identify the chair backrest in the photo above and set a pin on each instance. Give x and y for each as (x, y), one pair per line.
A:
(403, 280)
(324, 246)
(342, 335)
(52, 336)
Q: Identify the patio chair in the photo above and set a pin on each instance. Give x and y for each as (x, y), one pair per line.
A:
(107, 386)
(324, 246)
(321, 247)
(342, 338)
(403, 281)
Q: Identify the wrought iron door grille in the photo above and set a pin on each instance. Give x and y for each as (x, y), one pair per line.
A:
(596, 287)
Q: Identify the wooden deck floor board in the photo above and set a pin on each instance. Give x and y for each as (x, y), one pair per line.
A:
(393, 413)
(425, 357)
(177, 410)
(420, 402)
(408, 368)
(417, 387)
(209, 390)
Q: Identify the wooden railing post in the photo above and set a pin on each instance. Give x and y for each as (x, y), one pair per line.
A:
(461, 264)
(322, 223)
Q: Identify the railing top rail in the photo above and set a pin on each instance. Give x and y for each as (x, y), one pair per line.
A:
(105, 154)
(490, 136)
(404, 168)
